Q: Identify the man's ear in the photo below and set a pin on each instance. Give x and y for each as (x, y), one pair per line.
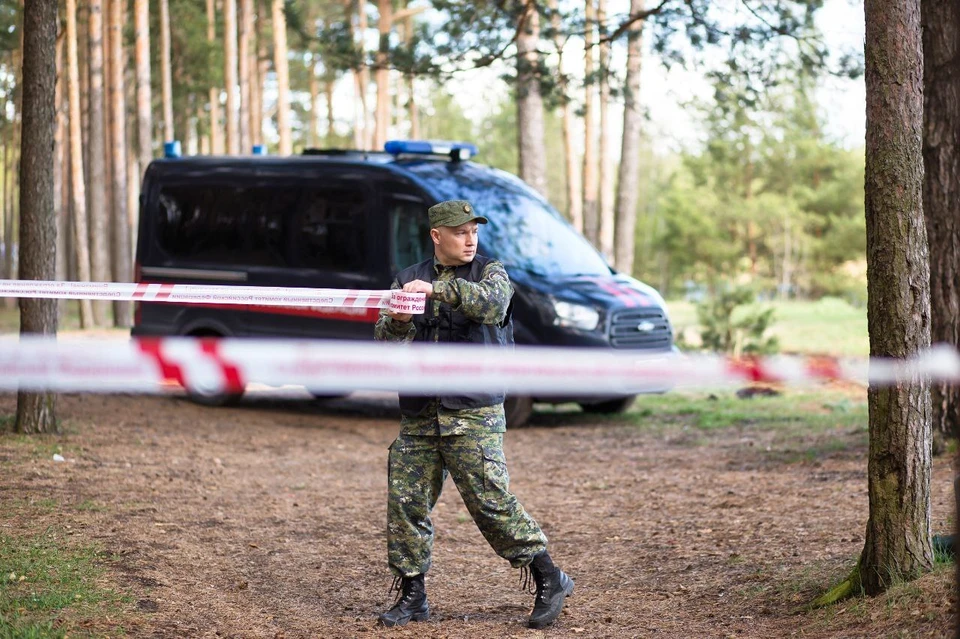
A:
(435, 236)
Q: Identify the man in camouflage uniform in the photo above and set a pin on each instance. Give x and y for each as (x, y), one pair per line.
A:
(468, 301)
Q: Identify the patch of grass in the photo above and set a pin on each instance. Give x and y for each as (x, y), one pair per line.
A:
(7, 423)
(827, 326)
(34, 446)
(49, 589)
(88, 505)
(805, 411)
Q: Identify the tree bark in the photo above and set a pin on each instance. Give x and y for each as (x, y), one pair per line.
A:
(606, 157)
(283, 77)
(141, 9)
(590, 213)
(314, 90)
(166, 80)
(413, 112)
(58, 169)
(216, 133)
(627, 182)
(99, 219)
(263, 65)
(230, 74)
(36, 412)
(574, 203)
(77, 186)
(897, 545)
(243, 60)
(328, 90)
(385, 25)
(941, 154)
(532, 150)
(361, 76)
(122, 271)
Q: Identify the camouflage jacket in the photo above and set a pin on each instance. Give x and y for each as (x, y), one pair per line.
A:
(485, 301)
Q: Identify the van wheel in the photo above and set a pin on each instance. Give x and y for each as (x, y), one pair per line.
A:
(518, 409)
(212, 398)
(619, 405)
(321, 396)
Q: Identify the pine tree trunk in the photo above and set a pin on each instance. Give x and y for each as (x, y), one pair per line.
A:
(413, 112)
(897, 545)
(385, 25)
(8, 239)
(314, 89)
(263, 66)
(531, 147)
(230, 74)
(216, 132)
(606, 157)
(243, 60)
(255, 78)
(941, 193)
(283, 77)
(77, 186)
(627, 183)
(328, 90)
(122, 270)
(141, 9)
(36, 412)
(361, 131)
(58, 168)
(99, 219)
(590, 213)
(166, 80)
(574, 203)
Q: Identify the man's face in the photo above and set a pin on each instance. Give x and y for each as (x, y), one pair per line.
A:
(455, 245)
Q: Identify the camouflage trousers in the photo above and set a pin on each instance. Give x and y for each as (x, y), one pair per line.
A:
(416, 471)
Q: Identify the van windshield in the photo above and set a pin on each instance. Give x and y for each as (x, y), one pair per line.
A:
(526, 234)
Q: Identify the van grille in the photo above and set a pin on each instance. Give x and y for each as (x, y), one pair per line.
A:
(641, 328)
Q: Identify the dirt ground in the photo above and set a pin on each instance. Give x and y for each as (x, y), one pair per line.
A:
(267, 520)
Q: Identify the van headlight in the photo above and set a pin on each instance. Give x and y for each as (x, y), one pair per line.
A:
(584, 318)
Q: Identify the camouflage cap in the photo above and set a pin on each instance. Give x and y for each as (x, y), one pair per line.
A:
(453, 213)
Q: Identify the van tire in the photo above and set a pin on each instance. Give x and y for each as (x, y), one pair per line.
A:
(611, 406)
(212, 399)
(518, 409)
(320, 396)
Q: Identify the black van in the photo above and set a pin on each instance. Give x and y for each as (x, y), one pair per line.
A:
(351, 219)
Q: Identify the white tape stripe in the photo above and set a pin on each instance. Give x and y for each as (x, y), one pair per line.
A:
(206, 294)
(36, 363)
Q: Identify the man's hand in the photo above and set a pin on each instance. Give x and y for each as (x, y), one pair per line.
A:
(400, 317)
(419, 286)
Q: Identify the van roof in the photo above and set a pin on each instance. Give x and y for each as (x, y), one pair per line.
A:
(431, 172)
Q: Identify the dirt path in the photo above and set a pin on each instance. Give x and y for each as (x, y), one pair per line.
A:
(267, 520)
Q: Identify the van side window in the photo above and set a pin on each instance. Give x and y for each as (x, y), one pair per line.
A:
(225, 226)
(410, 229)
(329, 229)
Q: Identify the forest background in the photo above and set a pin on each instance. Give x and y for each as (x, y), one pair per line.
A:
(735, 171)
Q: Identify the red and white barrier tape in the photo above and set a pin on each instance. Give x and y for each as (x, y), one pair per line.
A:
(202, 294)
(217, 365)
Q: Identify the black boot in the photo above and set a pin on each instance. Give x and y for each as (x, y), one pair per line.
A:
(411, 602)
(553, 586)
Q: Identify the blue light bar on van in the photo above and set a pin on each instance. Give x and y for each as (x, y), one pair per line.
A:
(462, 150)
(171, 149)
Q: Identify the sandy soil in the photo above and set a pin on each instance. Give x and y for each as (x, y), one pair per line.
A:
(267, 520)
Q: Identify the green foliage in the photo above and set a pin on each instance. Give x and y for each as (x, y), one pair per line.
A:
(745, 335)
(767, 199)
